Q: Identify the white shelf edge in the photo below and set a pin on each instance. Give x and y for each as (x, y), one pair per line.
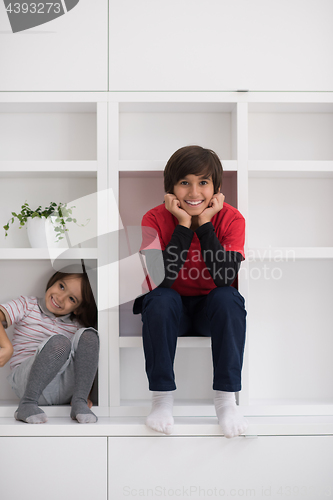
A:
(184, 426)
(191, 408)
(54, 97)
(136, 341)
(227, 96)
(48, 166)
(288, 253)
(158, 165)
(292, 409)
(205, 408)
(286, 166)
(230, 96)
(45, 254)
(141, 165)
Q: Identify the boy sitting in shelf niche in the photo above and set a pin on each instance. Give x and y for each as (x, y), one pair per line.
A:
(202, 243)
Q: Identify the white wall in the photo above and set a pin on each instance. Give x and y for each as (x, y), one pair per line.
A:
(68, 53)
(173, 45)
(221, 45)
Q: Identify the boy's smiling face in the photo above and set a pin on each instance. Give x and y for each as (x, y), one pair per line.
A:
(194, 193)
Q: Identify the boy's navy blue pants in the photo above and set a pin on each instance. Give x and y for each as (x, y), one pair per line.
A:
(220, 315)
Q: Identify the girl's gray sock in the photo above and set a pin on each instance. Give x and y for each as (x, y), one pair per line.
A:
(45, 367)
(85, 368)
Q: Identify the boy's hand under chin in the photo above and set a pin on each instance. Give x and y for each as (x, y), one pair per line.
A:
(173, 205)
(215, 205)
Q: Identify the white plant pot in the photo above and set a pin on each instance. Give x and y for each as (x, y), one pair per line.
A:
(41, 233)
(36, 232)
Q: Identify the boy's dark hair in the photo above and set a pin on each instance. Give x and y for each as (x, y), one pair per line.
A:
(192, 160)
(86, 314)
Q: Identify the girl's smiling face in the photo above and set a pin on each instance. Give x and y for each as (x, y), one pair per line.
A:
(64, 296)
(194, 193)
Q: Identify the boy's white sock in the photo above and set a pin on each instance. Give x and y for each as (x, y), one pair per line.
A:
(229, 415)
(160, 417)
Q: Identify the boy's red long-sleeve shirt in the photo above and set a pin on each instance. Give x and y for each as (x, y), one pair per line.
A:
(194, 262)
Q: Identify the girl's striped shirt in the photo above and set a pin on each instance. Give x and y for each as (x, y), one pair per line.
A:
(33, 324)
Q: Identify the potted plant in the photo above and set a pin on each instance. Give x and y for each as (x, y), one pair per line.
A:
(50, 220)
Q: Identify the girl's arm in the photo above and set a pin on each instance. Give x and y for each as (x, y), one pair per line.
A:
(6, 348)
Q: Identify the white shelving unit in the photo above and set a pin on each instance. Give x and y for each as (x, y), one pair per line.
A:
(291, 239)
(281, 189)
(277, 155)
(52, 149)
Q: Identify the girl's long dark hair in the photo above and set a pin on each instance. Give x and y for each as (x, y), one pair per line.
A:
(86, 314)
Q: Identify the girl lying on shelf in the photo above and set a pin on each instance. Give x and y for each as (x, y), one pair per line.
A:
(54, 355)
